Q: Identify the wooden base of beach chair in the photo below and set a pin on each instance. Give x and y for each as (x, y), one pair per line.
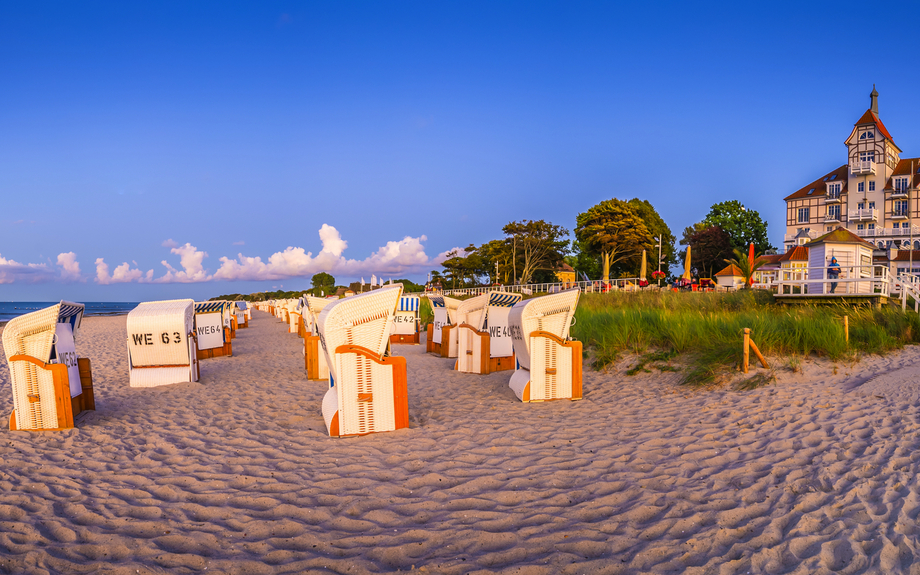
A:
(555, 370)
(243, 325)
(379, 406)
(502, 363)
(430, 346)
(225, 350)
(232, 328)
(67, 408)
(405, 338)
(314, 360)
(448, 337)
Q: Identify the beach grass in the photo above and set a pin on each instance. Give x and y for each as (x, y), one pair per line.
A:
(706, 329)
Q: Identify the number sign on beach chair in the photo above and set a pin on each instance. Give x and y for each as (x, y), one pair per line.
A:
(485, 346)
(443, 308)
(313, 357)
(367, 391)
(213, 335)
(162, 345)
(406, 320)
(51, 385)
(549, 362)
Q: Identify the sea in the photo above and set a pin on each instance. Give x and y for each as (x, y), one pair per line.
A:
(11, 309)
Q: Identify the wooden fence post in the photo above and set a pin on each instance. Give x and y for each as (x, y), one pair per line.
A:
(747, 349)
(846, 328)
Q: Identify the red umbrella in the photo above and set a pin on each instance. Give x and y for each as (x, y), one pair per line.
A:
(751, 263)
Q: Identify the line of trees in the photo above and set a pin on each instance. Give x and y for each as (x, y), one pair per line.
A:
(608, 241)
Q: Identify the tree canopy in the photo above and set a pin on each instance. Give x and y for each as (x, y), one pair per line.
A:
(323, 280)
(535, 245)
(742, 225)
(614, 231)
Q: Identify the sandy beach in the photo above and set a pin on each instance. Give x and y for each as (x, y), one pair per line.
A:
(816, 473)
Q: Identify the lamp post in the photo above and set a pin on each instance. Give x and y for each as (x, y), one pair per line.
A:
(658, 245)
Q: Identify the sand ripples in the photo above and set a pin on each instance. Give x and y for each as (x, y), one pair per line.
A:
(236, 474)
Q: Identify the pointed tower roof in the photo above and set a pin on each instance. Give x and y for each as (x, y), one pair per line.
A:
(871, 117)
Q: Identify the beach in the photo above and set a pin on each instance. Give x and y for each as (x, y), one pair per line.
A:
(814, 473)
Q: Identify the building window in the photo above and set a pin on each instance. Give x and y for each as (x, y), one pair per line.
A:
(896, 225)
(867, 156)
(833, 212)
(861, 206)
(871, 205)
(860, 226)
(900, 184)
(900, 208)
(803, 215)
(861, 187)
(871, 227)
(867, 136)
(872, 186)
(833, 190)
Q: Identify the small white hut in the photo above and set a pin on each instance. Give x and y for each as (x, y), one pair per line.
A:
(854, 255)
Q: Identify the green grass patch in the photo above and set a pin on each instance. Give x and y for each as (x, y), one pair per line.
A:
(706, 329)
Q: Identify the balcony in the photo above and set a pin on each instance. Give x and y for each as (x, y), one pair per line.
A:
(899, 215)
(869, 215)
(888, 232)
(862, 167)
(832, 218)
(832, 198)
(898, 193)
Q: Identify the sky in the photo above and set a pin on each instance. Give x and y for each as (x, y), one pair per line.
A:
(156, 150)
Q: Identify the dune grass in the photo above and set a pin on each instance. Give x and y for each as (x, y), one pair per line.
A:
(707, 328)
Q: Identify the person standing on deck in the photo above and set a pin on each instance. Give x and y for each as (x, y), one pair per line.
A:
(833, 272)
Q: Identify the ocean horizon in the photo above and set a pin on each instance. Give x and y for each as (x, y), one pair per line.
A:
(12, 309)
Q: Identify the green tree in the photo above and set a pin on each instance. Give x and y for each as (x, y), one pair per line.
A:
(535, 245)
(711, 246)
(614, 231)
(742, 225)
(322, 280)
(657, 227)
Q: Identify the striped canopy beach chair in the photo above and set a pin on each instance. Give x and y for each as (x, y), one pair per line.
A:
(51, 385)
(405, 320)
(444, 309)
(162, 345)
(485, 346)
(211, 329)
(367, 392)
(313, 356)
(549, 361)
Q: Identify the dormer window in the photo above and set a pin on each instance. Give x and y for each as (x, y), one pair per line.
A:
(900, 184)
(870, 135)
(833, 190)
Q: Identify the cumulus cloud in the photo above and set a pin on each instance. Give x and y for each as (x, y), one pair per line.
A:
(121, 274)
(70, 267)
(170, 243)
(12, 271)
(191, 259)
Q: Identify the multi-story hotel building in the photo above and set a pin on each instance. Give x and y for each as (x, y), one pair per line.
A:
(874, 195)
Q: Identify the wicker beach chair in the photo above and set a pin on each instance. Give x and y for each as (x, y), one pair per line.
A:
(367, 391)
(211, 330)
(471, 312)
(444, 309)
(549, 362)
(313, 357)
(242, 314)
(162, 344)
(51, 385)
(484, 342)
(405, 320)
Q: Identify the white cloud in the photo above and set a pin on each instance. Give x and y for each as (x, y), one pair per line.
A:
(70, 266)
(12, 271)
(122, 274)
(170, 243)
(190, 258)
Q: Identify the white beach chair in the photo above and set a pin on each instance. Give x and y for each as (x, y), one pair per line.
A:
(242, 314)
(367, 391)
(211, 330)
(549, 362)
(162, 345)
(471, 312)
(51, 385)
(314, 358)
(444, 308)
(405, 320)
(484, 342)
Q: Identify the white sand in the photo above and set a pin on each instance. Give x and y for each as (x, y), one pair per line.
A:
(815, 474)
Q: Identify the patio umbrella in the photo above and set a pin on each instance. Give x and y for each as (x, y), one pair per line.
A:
(751, 263)
(686, 275)
(642, 269)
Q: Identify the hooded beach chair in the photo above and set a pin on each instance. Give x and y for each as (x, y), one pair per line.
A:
(162, 344)
(51, 385)
(443, 308)
(469, 311)
(293, 307)
(484, 342)
(549, 362)
(405, 320)
(313, 357)
(211, 330)
(242, 314)
(367, 392)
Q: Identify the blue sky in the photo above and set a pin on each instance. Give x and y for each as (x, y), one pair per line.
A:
(138, 133)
